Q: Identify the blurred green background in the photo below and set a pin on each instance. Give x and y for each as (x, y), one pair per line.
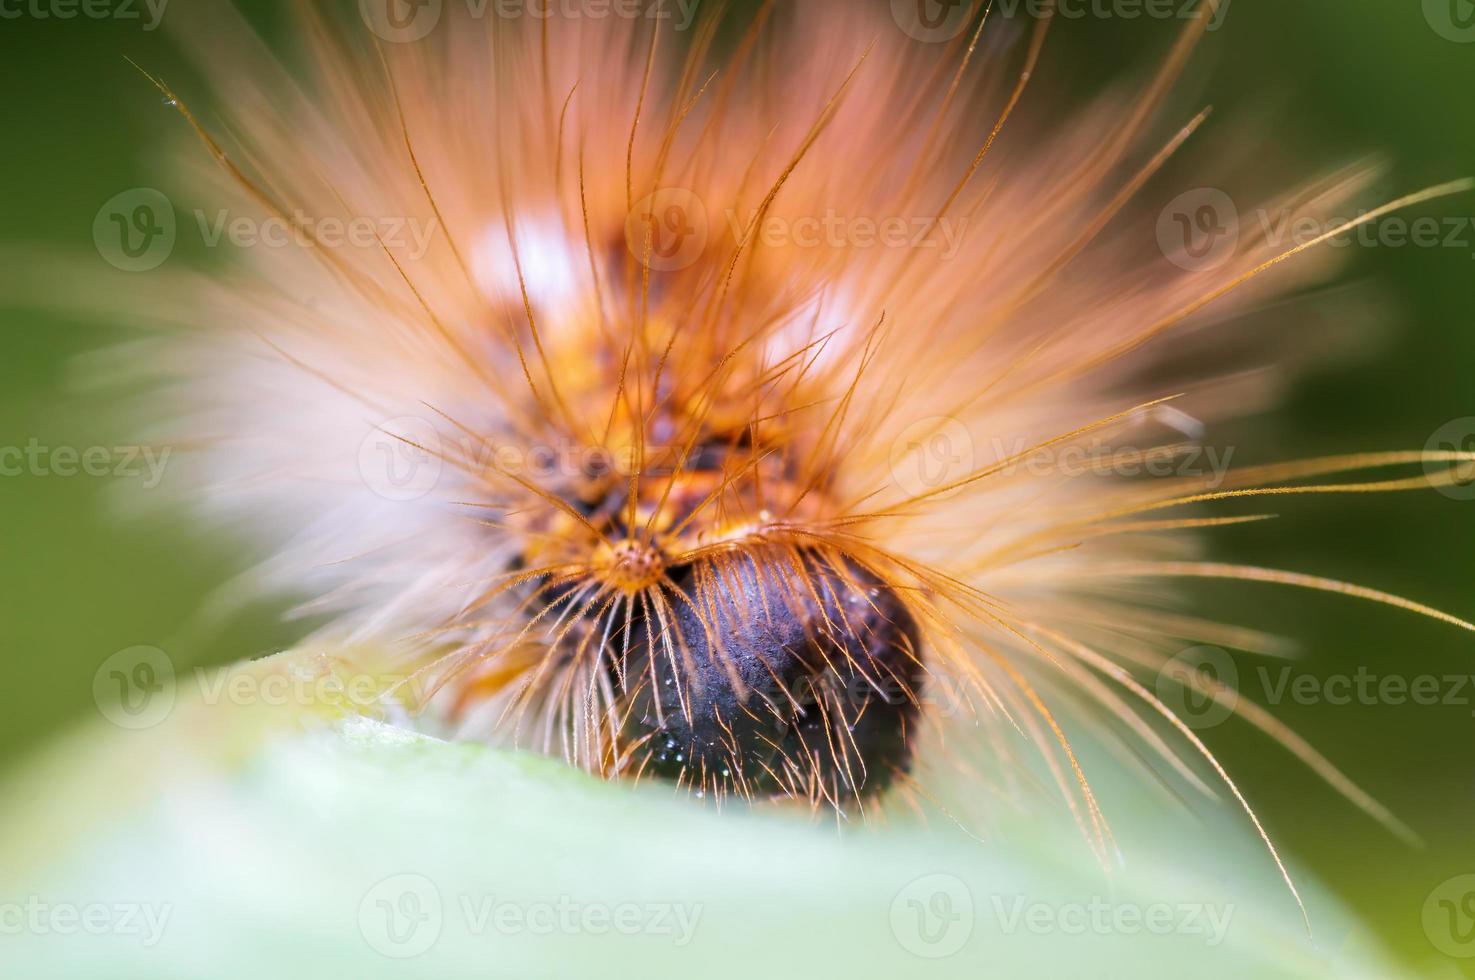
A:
(1324, 80)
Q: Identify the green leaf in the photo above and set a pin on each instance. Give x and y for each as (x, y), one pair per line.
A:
(302, 838)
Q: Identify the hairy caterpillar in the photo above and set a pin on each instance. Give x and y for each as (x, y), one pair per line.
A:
(703, 372)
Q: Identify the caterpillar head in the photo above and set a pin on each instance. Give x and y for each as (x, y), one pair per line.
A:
(698, 593)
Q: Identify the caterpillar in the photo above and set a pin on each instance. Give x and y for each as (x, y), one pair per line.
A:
(763, 402)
